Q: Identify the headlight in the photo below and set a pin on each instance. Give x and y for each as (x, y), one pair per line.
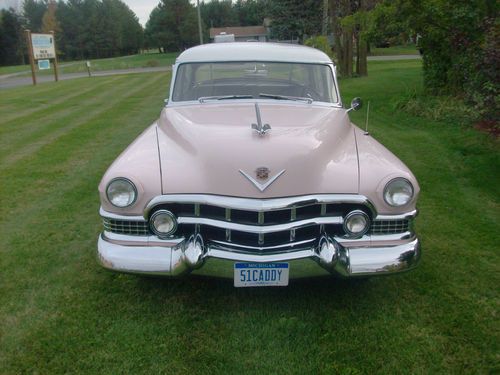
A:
(356, 223)
(121, 192)
(398, 192)
(163, 223)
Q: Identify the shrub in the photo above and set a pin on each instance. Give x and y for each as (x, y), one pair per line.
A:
(320, 42)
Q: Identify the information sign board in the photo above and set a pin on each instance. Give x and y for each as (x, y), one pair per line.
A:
(43, 64)
(43, 46)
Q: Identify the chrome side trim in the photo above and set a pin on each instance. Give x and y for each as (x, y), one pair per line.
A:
(256, 204)
(127, 240)
(260, 229)
(404, 216)
(111, 215)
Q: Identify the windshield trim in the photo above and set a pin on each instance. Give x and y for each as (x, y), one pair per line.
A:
(177, 65)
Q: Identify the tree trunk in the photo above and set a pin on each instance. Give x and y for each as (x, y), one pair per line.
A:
(361, 59)
(348, 46)
(324, 28)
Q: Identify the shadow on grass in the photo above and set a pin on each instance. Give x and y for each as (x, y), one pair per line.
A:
(200, 292)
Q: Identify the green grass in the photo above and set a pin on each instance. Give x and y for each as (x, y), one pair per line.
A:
(144, 60)
(61, 313)
(408, 49)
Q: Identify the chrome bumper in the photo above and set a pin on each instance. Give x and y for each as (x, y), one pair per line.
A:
(327, 257)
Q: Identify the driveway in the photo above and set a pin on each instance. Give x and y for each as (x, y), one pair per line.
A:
(14, 80)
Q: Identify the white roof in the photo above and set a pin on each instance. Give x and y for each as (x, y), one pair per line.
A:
(253, 51)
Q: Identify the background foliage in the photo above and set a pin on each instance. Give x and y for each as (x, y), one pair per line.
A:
(84, 29)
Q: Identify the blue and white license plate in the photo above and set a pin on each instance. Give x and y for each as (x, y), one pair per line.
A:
(260, 274)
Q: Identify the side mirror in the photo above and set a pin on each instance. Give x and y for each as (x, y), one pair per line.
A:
(356, 104)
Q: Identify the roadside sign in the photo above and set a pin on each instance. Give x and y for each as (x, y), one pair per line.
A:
(43, 64)
(43, 46)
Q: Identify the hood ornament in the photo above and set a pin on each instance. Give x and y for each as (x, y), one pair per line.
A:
(262, 173)
(258, 127)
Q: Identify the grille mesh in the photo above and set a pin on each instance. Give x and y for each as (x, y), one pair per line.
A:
(389, 226)
(131, 228)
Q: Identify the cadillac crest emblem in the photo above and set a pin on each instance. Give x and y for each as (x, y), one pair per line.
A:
(262, 173)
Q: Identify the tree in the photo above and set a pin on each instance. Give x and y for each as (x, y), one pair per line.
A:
(172, 26)
(351, 25)
(251, 12)
(49, 20)
(219, 13)
(460, 44)
(33, 11)
(11, 38)
(295, 18)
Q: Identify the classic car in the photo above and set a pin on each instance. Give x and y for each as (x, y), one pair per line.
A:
(254, 172)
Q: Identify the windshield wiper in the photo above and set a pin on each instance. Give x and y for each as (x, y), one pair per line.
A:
(285, 97)
(224, 97)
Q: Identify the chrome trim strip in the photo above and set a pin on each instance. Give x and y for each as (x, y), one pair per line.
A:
(143, 240)
(260, 229)
(374, 238)
(289, 244)
(404, 216)
(392, 237)
(256, 204)
(257, 184)
(110, 215)
(214, 251)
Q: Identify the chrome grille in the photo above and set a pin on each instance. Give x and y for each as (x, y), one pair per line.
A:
(261, 229)
(131, 228)
(390, 226)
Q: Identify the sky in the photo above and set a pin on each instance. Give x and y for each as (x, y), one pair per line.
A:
(142, 8)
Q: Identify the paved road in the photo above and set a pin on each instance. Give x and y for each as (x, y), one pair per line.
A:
(14, 80)
(395, 57)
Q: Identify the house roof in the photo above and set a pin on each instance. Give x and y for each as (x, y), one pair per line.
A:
(279, 52)
(239, 31)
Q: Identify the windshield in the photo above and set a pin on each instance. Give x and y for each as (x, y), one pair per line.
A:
(244, 80)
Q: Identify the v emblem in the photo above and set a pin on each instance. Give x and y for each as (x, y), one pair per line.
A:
(258, 185)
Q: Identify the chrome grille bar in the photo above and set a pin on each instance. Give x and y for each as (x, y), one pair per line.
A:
(254, 204)
(228, 218)
(260, 229)
(293, 217)
(260, 221)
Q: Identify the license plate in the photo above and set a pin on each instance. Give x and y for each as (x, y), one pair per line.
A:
(260, 274)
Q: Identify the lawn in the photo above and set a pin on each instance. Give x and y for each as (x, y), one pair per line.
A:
(144, 60)
(61, 313)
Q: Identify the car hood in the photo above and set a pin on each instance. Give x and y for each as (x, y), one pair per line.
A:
(205, 148)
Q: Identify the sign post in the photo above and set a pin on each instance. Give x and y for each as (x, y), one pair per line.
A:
(56, 73)
(42, 47)
(32, 60)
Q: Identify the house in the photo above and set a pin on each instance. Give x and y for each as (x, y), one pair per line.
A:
(242, 33)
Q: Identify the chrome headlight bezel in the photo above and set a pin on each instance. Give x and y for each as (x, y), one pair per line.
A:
(349, 217)
(160, 233)
(132, 192)
(393, 184)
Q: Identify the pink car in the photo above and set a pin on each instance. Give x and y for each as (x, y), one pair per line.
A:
(254, 172)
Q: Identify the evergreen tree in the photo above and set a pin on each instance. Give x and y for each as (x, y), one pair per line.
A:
(11, 38)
